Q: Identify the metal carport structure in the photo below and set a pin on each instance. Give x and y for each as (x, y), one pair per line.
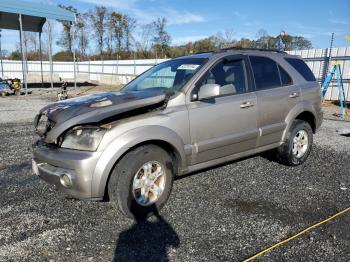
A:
(26, 16)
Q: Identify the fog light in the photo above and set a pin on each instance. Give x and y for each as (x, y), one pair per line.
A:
(65, 180)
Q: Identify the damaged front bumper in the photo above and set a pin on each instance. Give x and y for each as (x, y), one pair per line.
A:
(71, 171)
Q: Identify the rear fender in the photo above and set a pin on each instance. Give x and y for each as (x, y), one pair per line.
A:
(302, 106)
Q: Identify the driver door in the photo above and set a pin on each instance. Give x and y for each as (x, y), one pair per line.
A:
(225, 124)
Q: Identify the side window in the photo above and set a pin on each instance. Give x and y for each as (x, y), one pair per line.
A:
(229, 75)
(265, 72)
(285, 78)
(302, 68)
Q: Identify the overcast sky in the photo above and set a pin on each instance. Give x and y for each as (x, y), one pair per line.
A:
(190, 20)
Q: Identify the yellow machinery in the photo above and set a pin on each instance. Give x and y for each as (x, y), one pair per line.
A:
(8, 86)
(15, 85)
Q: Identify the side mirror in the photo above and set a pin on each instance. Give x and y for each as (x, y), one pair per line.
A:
(208, 91)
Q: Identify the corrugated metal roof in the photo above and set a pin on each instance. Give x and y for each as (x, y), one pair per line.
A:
(34, 15)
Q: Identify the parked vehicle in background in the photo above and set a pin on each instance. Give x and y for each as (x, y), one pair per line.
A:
(180, 116)
(10, 86)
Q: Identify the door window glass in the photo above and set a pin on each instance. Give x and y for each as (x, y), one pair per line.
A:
(285, 78)
(265, 72)
(229, 75)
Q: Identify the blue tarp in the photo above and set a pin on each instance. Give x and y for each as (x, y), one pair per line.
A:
(34, 15)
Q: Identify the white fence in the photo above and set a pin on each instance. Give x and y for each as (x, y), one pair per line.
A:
(122, 71)
(107, 72)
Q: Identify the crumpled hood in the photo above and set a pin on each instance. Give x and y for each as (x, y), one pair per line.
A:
(93, 109)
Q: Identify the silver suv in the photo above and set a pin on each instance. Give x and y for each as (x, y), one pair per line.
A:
(180, 116)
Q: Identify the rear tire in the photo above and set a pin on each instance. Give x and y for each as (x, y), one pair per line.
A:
(297, 147)
(138, 167)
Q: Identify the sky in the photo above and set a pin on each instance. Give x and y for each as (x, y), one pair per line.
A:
(190, 20)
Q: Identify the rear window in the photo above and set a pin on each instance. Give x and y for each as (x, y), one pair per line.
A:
(302, 68)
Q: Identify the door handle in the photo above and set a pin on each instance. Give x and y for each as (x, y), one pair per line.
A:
(293, 95)
(246, 104)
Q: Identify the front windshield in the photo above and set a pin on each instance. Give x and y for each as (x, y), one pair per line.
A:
(169, 76)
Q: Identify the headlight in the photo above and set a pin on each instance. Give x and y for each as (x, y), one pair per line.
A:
(85, 138)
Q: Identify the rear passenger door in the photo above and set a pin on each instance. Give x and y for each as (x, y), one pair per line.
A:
(276, 96)
(226, 124)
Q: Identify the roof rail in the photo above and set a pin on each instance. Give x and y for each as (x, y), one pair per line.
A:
(251, 49)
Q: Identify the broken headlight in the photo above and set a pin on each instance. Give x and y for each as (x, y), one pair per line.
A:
(85, 138)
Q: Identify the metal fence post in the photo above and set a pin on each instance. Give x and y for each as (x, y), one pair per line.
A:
(89, 71)
(134, 67)
(74, 59)
(41, 61)
(50, 51)
(2, 65)
(24, 70)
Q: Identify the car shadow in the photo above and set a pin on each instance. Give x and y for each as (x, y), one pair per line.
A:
(146, 240)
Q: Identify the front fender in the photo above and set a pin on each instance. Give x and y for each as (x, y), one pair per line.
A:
(302, 106)
(123, 143)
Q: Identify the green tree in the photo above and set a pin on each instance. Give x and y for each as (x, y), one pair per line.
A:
(62, 56)
(205, 45)
(300, 43)
(117, 23)
(15, 55)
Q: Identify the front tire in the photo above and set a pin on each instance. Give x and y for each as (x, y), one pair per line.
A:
(297, 147)
(141, 182)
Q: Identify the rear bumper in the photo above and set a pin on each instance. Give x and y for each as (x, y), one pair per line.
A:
(71, 171)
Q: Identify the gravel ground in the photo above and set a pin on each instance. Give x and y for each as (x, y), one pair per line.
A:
(226, 213)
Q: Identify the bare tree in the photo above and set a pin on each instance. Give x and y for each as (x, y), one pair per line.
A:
(110, 35)
(143, 44)
(161, 37)
(118, 25)
(66, 40)
(263, 39)
(47, 35)
(225, 39)
(32, 42)
(82, 33)
(129, 25)
(98, 20)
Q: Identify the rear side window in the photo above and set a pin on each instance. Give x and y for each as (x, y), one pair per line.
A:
(285, 78)
(302, 68)
(265, 72)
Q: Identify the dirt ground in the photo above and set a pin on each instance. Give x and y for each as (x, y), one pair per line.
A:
(225, 213)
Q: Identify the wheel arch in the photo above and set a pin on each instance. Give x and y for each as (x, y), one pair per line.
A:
(160, 136)
(308, 117)
(303, 111)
